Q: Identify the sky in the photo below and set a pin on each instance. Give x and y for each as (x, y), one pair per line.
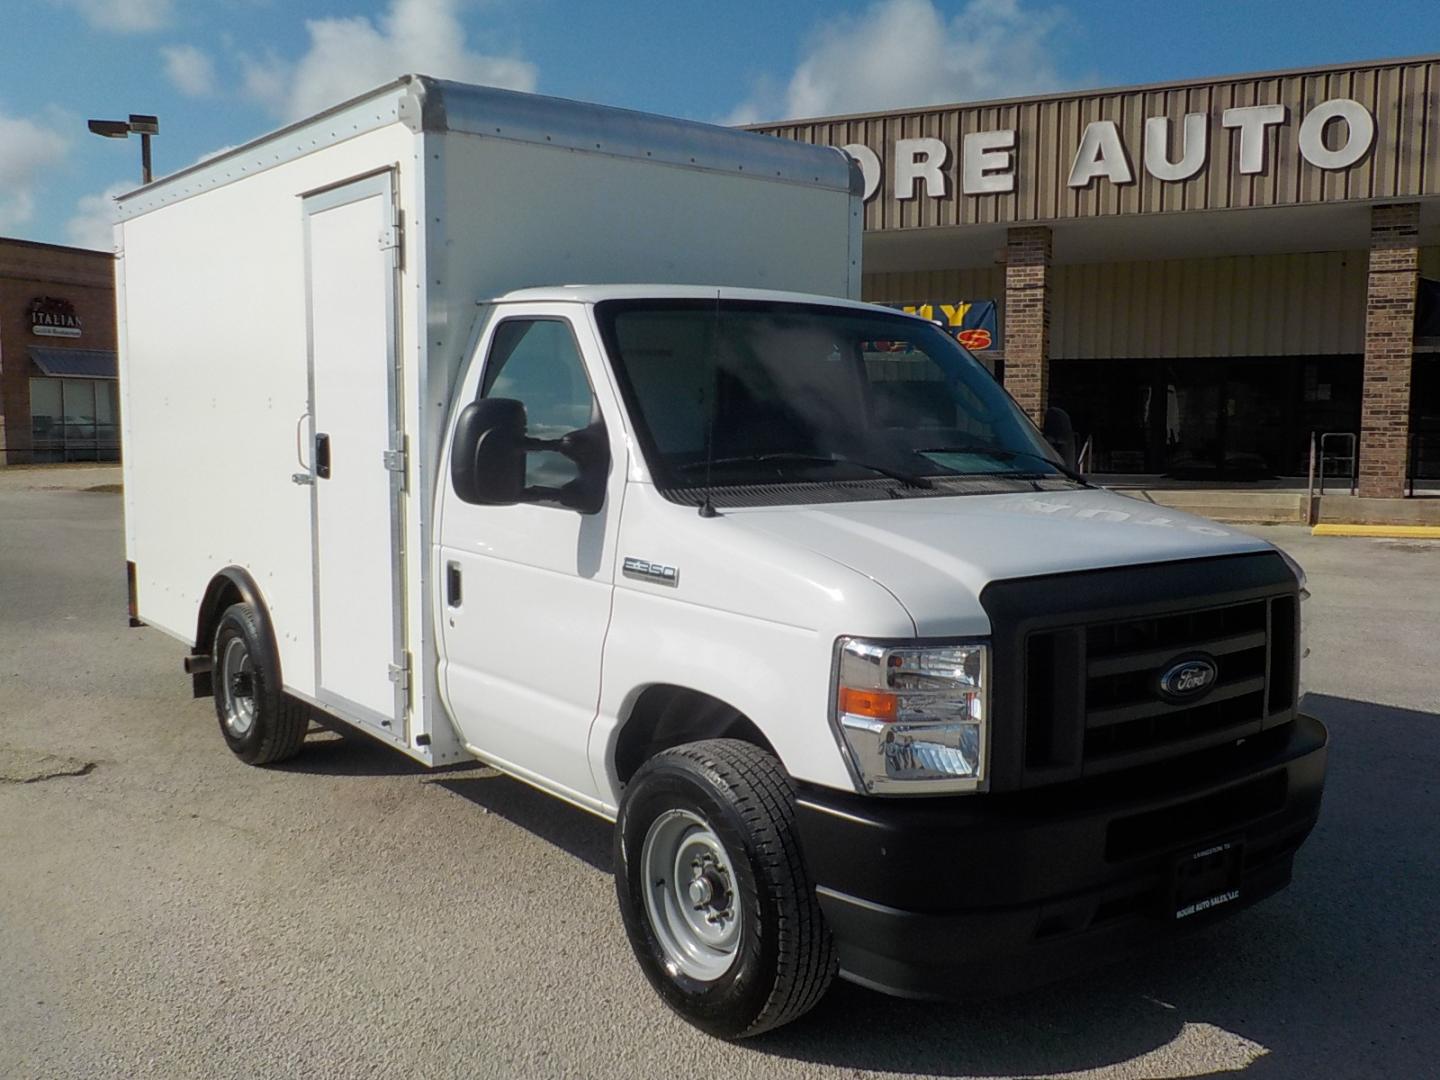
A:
(221, 72)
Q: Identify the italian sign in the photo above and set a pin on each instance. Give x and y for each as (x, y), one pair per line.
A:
(52, 317)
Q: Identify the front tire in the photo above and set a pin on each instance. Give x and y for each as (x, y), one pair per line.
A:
(713, 889)
(261, 724)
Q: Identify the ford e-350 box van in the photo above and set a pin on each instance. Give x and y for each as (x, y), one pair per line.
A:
(870, 681)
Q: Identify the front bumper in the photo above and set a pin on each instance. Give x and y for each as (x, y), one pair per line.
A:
(954, 896)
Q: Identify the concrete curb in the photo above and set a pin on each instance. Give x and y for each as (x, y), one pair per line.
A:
(1394, 532)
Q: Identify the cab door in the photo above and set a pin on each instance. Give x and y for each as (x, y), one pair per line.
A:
(527, 588)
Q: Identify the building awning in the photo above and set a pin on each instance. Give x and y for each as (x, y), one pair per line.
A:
(74, 363)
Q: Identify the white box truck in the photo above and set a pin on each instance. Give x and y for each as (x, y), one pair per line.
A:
(783, 584)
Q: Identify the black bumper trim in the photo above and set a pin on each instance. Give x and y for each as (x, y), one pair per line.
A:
(955, 896)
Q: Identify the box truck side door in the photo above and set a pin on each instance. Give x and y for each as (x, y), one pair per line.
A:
(354, 424)
(527, 587)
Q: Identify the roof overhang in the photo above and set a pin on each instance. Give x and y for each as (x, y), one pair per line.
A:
(74, 363)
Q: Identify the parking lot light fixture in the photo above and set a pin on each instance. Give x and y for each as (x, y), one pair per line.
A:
(139, 123)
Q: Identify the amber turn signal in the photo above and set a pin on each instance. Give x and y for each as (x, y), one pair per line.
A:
(872, 703)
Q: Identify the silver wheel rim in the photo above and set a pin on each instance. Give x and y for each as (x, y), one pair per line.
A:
(690, 895)
(237, 688)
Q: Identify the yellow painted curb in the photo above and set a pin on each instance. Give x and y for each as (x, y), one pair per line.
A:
(1396, 532)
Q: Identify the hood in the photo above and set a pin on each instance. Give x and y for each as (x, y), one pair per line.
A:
(935, 555)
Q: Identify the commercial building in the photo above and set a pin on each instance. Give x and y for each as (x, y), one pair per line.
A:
(57, 354)
(1201, 273)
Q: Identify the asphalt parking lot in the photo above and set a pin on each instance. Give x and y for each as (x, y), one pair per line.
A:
(168, 911)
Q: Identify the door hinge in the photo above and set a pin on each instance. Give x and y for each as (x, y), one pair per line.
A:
(392, 238)
(395, 462)
(400, 673)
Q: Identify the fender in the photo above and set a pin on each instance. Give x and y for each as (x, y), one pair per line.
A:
(231, 585)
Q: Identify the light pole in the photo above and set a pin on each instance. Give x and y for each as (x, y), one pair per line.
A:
(144, 126)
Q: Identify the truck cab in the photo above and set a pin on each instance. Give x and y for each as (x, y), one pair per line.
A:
(1025, 721)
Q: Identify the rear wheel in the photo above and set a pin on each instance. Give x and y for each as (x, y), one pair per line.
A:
(260, 723)
(713, 889)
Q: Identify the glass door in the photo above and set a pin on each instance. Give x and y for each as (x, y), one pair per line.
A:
(1194, 419)
(1259, 397)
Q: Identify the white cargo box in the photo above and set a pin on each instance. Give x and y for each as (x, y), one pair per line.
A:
(325, 279)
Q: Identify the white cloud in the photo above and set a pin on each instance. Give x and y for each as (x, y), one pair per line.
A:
(92, 224)
(213, 153)
(123, 16)
(26, 151)
(900, 53)
(348, 56)
(190, 69)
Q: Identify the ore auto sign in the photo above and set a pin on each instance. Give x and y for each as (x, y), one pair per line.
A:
(1334, 134)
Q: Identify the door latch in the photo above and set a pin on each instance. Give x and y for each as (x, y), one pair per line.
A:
(322, 455)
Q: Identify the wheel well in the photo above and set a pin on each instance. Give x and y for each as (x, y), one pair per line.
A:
(665, 716)
(230, 586)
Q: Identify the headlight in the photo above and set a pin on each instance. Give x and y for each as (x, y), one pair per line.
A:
(912, 718)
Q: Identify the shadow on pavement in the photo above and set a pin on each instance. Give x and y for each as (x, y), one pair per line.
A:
(569, 828)
(343, 752)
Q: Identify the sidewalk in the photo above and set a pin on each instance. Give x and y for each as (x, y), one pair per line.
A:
(80, 476)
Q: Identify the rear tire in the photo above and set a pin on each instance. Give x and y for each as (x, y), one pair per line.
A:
(733, 939)
(261, 724)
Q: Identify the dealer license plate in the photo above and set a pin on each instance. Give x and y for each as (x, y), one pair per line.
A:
(1208, 879)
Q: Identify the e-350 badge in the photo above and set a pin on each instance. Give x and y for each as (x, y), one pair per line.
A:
(650, 571)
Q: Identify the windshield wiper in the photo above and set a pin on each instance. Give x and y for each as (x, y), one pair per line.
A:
(1005, 454)
(906, 478)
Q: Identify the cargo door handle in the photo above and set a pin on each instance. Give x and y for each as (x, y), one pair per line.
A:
(322, 455)
(452, 584)
(299, 453)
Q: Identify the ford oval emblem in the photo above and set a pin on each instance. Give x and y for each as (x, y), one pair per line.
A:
(1188, 679)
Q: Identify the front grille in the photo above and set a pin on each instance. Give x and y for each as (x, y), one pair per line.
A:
(1125, 719)
(1088, 676)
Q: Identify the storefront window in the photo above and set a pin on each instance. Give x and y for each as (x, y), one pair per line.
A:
(73, 420)
(1247, 418)
(47, 419)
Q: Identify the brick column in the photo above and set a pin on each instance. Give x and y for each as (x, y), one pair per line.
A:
(1027, 318)
(1389, 349)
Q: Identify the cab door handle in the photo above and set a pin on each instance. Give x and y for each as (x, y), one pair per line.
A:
(322, 455)
(453, 592)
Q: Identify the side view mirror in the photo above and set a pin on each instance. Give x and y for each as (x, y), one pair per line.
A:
(487, 459)
(589, 449)
(1059, 432)
(487, 456)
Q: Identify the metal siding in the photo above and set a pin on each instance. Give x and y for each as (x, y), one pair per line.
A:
(1251, 305)
(1402, 162)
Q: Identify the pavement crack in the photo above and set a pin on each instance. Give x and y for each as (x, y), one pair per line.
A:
(31, 767)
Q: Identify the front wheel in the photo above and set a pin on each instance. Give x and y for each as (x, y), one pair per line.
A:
(713, 889)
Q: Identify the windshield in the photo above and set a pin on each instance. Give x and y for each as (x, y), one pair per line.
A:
(754, 393)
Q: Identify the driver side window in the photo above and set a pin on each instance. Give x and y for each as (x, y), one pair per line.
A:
(536, 362)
